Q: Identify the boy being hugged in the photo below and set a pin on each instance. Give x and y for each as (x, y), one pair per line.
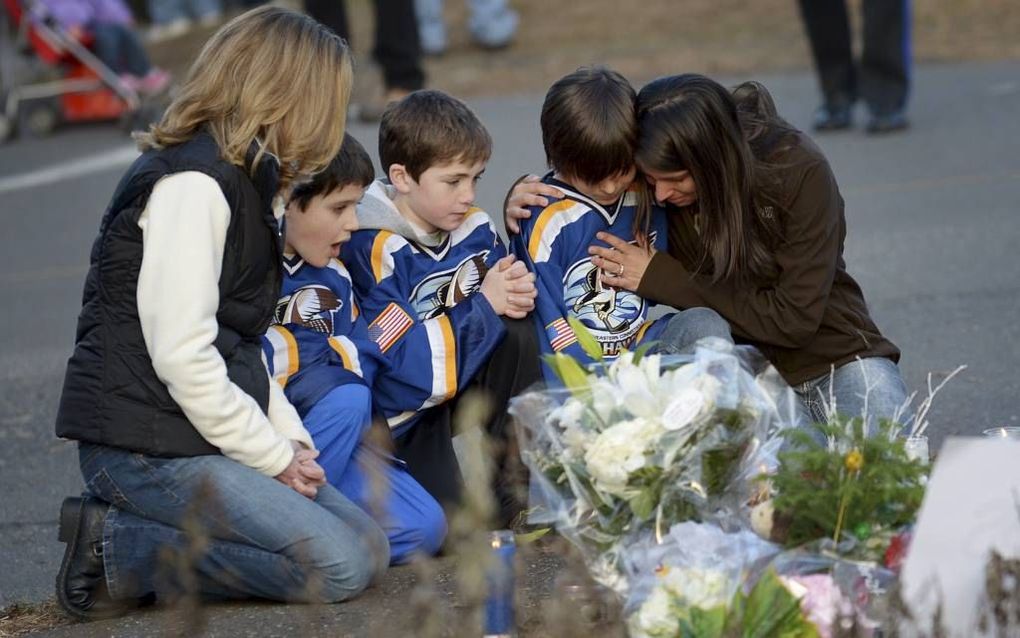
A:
(589, 130)
(590, 134)
(318, 349)
(443, 300)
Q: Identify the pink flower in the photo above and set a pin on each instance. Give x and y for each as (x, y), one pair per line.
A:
(820, 599)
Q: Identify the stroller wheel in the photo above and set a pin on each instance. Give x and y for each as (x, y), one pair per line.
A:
(39, 118)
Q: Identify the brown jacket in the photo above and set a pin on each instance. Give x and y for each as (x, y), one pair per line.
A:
(813, 315)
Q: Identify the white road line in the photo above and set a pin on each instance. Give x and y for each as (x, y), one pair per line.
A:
(68, 170)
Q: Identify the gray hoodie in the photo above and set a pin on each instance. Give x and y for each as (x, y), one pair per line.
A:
(376, 211)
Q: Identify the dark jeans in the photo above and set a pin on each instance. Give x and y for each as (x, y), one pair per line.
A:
(882, 78)
(120, 49)
(248, 535)
(428, 447)
(397, 47)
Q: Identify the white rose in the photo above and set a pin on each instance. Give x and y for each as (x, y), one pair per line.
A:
(618, 451)
(705, 588)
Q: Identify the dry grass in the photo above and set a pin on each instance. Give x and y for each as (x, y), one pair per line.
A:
(22, 618)
(662, 36)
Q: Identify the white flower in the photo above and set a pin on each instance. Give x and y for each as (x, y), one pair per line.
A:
(696, 587)
(618, 451)
(657, 617)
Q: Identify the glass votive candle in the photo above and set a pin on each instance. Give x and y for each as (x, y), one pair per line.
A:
(1010, 432)
(916, 447)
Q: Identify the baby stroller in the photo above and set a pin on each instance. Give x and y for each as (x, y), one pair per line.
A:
(83, 88)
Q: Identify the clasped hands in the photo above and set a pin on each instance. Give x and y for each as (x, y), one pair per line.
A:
(304, 475)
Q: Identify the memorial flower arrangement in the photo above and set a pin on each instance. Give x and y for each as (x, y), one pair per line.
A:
(640, 443)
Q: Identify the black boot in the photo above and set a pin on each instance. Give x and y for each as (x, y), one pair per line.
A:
(81, 582)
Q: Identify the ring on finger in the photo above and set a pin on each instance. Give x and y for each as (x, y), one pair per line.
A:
(619, 273)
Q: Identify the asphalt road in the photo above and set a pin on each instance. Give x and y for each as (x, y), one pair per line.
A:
(934, 229)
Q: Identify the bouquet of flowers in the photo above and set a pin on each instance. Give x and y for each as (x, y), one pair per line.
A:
(642, 443)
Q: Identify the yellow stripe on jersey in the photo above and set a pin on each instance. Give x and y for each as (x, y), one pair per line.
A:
(451, 356)
(348, 354)
(543, 220)
(378, 250)
(444, 360)
(285, 353)
(641, 332)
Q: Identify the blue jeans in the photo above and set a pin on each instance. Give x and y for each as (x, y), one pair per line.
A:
(247, 536)
(687, 327)
(871, 387)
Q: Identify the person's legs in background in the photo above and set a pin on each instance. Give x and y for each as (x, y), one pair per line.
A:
(493, 23)
(828, 29)
(431, 26)
(398, 48)
(885, 63)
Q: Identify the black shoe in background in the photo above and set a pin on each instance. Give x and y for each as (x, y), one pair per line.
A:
(833, 117)
(81, 582)
(888, 122)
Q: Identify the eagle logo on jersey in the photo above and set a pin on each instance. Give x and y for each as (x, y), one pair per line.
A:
(612, 316)
(313, 306)
(443, 290)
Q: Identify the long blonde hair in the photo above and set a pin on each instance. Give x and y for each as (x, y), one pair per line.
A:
(270, 74)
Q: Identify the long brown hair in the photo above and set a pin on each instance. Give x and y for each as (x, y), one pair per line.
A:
(271, 75)
(690, 122)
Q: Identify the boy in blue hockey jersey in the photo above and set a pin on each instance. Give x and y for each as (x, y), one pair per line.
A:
(443, 300)
(319, 350)
(589, 130)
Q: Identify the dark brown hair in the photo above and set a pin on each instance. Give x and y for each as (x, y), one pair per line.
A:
(589, 128)
(690, 122)
(352, 165)
(428, 128)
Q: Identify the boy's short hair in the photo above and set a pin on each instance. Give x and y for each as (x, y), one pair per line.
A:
(589, 124)
(352, 165)
(428, 128)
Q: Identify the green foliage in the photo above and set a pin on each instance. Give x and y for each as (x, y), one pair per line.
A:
(587, 341)
(813, 481)
(569, 371)
(697, 622)
(768, 611)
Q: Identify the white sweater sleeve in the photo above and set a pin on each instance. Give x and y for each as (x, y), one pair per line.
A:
(184, 229)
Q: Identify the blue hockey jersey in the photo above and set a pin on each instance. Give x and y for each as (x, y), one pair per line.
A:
(418, 295)
(318, 340)
(554, 243)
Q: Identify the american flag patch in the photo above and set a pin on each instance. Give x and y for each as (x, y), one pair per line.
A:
(560, 334)
(390, 325)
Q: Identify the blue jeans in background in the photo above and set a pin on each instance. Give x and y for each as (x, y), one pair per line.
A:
(167, 11)
(248, 535)
(873, 387)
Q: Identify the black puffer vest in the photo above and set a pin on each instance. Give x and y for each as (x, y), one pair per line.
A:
(111, 393)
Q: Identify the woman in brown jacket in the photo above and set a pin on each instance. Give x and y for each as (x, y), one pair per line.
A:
(756, 231)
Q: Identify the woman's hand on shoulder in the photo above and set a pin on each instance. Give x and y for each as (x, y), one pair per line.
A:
(622, 264)
(527, 191)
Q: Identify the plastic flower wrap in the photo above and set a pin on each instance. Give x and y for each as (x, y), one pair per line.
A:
(645, 442)
(689, 579)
